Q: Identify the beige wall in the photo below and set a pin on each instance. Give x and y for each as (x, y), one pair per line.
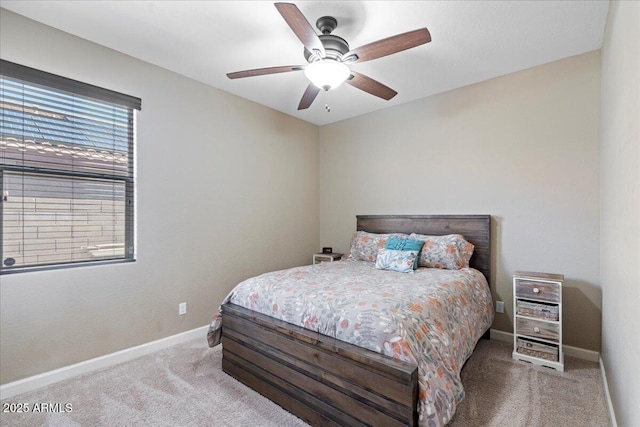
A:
(620, 208)
(523, 148)
(226, 189)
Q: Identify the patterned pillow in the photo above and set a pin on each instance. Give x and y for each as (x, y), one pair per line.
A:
(402, 261)
(450, 252)
(399, 244)
(364, 245)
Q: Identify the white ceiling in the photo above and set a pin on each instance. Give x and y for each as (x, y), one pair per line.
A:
(472, 41)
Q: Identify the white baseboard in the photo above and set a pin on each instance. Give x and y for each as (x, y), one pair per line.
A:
(581, 353)
(568, 350)
(41, 380)
(501, 336)
(612, 414)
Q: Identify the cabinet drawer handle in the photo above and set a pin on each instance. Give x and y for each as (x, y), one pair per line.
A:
(536, 329)
(536, 290)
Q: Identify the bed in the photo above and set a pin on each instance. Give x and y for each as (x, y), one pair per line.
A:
(328, 381)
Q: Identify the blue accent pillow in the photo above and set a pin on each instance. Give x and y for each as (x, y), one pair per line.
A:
(399, 244)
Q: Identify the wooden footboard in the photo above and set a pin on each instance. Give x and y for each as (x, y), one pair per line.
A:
(324, 381)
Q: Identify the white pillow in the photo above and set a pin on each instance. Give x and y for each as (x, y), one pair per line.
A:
(402, 261)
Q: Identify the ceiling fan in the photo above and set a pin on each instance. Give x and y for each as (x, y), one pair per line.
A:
(329, 55)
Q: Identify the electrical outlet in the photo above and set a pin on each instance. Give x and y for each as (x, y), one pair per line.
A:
(499, 306)
(182, 308)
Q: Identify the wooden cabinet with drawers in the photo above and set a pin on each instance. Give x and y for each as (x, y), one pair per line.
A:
(537, 302)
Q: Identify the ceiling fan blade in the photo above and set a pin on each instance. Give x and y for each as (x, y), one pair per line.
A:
(388, 46)
(371, 86)
(301, 27)
(308, 97)
(263, 71)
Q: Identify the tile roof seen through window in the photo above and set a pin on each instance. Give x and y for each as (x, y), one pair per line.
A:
(30, 113)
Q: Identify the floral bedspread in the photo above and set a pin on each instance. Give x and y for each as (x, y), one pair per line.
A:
(430, 317)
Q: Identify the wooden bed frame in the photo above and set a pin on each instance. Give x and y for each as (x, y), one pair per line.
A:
(327, 382)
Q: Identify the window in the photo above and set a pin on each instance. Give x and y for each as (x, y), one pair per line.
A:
(66, 171)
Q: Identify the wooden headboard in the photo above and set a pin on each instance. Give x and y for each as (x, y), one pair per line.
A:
(476, 229)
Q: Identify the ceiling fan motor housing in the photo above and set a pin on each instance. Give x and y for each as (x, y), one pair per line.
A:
(334, 46)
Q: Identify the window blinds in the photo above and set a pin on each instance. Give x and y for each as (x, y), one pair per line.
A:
(66, 171)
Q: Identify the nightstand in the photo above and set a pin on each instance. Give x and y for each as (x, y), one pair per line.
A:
(320, 257)
(537, 302)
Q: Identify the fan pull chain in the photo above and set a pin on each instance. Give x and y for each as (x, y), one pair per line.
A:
(327, 107)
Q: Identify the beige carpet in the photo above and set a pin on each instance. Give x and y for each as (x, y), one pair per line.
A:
(184, 386)
(505, 392)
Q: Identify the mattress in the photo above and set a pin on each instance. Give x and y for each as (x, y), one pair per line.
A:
(430, 317)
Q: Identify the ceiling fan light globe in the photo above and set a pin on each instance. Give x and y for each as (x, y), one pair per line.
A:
(327, 74)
